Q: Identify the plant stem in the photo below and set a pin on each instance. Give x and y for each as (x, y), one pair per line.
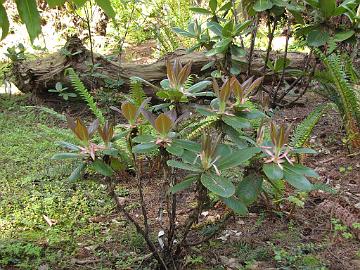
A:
(252, 45)
(284, 66)
(271, 32)
(121, 208)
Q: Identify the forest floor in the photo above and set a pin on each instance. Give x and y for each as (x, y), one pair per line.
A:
(48, 222)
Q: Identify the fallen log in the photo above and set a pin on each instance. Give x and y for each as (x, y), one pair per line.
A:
(37, 76)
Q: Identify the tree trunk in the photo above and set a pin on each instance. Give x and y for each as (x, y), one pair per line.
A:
(37, 76)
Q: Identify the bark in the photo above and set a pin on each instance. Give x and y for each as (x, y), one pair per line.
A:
(37, 76)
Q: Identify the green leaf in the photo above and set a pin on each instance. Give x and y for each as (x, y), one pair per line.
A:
(102, 168)
(237, 206)
(183, 166)
(262, 5)
(344, 35)
(200, 10)
(242, 26)
(199, 86)
(76, 173)
(182, 32)
(79, 3)
(4, 22)
(146, 138)
(218, 185)
(106, 7)
(208, 65)
(213, 5)
(297, 180)
(186, 183)
(60, 156)
(327, 7)
(144, 148)
(188, 145)
(249, 188)
(237, 157)
(303, 151)
(54, 3)
(317, 38)
(29, 14)
(273, 171)
(227, 30)
(175, 150)
(215, 27)
(68, 145)
(236, 122)
(301, 169)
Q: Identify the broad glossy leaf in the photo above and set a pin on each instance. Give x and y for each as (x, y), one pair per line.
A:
(198, 87)
(129, 111)
(262, 5)
(249, 189)
(79, 3)
(175, 150)
(188, 145)
(344, 35)
(236, 205)
(208, 65)
(216, 50)
(237, 157)
(163, 124)
(54, 3)
(68, 145)
(317, 38)
(106, 7)
(227, 30)
(186, 183)
(183, 32)
(327, 7)
(273, 171)
(242, 26)
(297, 180)
(218, 185)
(144, 148)
(304, 151)
(200, 10)
(29, 14)
(76, 173)
(215, 27)
(236, 122)
(60, 156)
(183, 166)
(301, 169)
(213, 5)
(4, 22)
(102, 168)
(146, 138)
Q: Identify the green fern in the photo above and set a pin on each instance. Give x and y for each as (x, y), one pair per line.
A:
(350, 69)
(84, 93)
(196, 128)
(303, 131)
(137, 94)
(346, 96)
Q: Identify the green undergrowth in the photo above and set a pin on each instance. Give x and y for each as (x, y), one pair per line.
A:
(35, 188)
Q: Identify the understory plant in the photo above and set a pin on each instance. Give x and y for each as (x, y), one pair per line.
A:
(229, 166)
(338, 83)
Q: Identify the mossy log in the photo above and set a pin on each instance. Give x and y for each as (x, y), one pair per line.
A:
(37, 76)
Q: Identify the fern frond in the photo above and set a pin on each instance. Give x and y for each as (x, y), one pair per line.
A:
(303, 131)
(189, 82)
(195, 129)
(137, 94)
(348, 99)
(351, 71)
(84, 93)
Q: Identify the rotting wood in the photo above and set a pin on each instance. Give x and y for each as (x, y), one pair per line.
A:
(37, 76)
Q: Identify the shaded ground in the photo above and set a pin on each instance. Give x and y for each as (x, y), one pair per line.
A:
(88, 234)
